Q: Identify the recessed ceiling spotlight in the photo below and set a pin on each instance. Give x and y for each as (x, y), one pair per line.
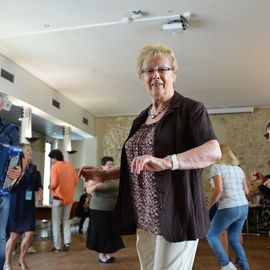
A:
(136, 14)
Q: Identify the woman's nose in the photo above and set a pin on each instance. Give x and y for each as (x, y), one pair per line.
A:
(155, 74)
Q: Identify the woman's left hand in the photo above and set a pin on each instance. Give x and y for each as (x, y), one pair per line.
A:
(150, 163)
(40, 196)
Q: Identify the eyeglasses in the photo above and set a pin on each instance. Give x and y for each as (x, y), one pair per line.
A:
(109, 163)
(266, 135)
(160, 70)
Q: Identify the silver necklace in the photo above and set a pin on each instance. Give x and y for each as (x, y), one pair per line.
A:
(154, 115)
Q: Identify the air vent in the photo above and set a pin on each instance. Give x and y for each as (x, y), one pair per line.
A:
(55, 103)
(7, 75)
(85, 121)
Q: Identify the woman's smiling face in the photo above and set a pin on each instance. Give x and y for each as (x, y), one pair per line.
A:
(158, 76)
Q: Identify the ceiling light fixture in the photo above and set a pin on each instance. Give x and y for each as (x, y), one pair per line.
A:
(72, 152)
(136, 16)
(180, 23)
(32, 139)
(230, 110)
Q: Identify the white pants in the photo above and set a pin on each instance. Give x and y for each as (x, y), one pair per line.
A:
(156, 253)
(60, 212)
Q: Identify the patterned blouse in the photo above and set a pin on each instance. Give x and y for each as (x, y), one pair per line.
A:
(143, 186)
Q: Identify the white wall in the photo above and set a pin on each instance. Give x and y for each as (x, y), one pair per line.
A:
(33, 91)
(86, 155)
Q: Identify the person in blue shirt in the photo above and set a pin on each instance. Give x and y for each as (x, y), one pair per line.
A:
(12, 138)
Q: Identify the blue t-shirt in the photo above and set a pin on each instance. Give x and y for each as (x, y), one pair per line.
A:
(10, 138)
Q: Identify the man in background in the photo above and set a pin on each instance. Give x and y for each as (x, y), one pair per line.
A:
(63, 181)
(82, 210)
(8, 135)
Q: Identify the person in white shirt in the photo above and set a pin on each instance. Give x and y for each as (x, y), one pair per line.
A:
(230, 188)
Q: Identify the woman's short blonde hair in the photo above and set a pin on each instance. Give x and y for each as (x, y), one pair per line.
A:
(228, 157)
(24, 147)
(154, 50)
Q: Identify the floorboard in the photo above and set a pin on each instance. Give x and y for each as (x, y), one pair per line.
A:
(80, 258)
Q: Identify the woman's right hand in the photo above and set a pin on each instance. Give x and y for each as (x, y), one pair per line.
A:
(92, 186)
(257, 176)
(93, 173)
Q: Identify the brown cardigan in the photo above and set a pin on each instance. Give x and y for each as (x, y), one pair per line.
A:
(183, 215)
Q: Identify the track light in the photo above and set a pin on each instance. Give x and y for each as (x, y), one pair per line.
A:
(230, 110)
(32, 139)
(72, 152)
(177, 24)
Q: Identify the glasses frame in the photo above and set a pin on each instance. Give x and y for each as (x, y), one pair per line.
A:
(160, 70)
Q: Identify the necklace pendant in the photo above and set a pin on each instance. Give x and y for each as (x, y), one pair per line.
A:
(152, 116)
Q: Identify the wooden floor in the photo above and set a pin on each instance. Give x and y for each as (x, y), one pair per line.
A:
(79, 258)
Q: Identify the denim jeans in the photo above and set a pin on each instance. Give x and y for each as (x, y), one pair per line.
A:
(232, 220)
(4, 209)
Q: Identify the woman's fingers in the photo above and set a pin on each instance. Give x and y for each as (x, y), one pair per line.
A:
(14, 173)
(138, 163)
(146, 162)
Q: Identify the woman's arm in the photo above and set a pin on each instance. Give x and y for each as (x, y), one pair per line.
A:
(217, 191)
(196, 158)
(246, 185)
(99, 175)
(54, 179)
(199, 157)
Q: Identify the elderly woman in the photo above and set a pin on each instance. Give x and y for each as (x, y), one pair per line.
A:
(230, 188)
(160, 193)
(22, 209)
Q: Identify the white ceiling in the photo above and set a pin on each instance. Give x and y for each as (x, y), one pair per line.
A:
(224, 55)
(39, 124)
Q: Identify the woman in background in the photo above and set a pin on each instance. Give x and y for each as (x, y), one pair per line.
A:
(212, 211)
(22, 209)
(101, 236)
(230, 188)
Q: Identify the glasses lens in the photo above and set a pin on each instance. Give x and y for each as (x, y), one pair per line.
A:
(148, 71)
(160, 70)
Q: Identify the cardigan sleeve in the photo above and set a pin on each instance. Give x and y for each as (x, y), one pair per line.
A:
(200, 125)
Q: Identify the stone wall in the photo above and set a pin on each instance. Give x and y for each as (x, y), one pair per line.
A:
(243, 132)
(111, 133)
